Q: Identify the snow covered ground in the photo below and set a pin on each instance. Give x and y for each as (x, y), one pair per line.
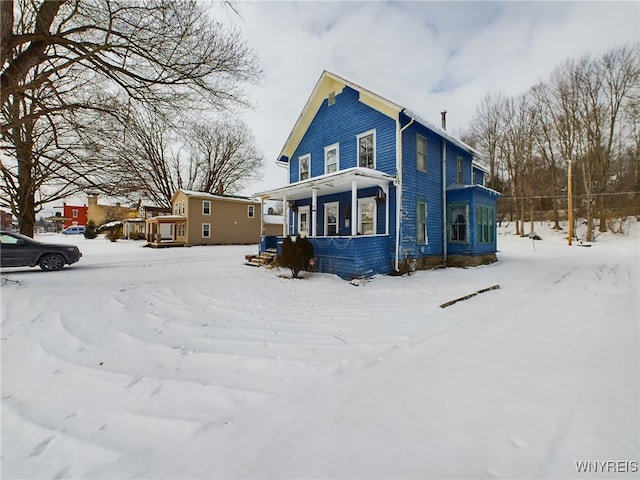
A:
(185, 363)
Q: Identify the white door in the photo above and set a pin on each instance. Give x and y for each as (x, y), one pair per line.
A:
(303, 221)
(366, 216)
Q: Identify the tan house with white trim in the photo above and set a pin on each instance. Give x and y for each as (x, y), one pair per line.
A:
(200, 218)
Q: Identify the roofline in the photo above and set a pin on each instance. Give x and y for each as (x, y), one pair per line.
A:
(442, 133)
(217, 196)
(388, 103)
(338, 79)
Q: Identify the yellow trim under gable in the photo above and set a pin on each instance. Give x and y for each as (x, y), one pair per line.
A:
(327, 84)
(379, 104)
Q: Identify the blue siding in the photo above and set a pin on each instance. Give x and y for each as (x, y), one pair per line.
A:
(354, 257)
(421, 186)
(341, 123)
(472, 197)
(361, 256)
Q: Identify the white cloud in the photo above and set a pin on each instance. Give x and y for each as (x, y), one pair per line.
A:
(427, 56)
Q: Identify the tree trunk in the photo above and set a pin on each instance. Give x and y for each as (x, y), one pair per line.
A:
(603, 212)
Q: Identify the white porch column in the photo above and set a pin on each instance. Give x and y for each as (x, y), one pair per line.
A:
(314, 212)
(261, 218)
(354, 207)
(385, 189)
(285, 223)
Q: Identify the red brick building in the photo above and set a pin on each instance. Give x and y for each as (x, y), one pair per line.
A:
(74, 215)
(6, 219)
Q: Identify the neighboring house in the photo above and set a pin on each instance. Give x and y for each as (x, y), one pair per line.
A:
(6, 220)
(102, 214)
(207, 219)
(135, 228)
(74, 214)
(368, 188)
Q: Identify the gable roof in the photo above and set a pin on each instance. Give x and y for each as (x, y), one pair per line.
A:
(214, 196)
(332, 83)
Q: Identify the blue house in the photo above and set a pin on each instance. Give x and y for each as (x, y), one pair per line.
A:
(378, 190)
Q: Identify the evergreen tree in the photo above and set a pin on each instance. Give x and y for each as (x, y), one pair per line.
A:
(90, 230)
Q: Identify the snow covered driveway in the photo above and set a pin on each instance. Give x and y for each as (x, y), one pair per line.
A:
(184, 363)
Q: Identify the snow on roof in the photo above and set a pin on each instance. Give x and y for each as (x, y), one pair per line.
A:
(237, 198)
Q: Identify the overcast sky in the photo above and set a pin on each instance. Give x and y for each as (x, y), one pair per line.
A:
(426, 56)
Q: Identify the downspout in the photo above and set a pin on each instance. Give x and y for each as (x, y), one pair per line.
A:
(399, 186)
(444, 189)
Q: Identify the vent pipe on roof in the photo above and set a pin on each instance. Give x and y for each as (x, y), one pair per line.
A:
(443, 115)
(220, 189)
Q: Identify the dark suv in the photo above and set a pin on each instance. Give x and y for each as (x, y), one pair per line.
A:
(20, 251)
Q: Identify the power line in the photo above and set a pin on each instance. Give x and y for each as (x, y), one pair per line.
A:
(584, 195)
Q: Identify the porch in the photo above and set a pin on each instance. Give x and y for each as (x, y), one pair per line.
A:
(165, 231)
(346, 256)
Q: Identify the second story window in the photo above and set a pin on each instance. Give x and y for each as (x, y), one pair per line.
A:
(421, 153)
(331, 158)
(367, 149)
(251, 211)
(75, 213)
(206, 207)
(304, 162)
(460, 175)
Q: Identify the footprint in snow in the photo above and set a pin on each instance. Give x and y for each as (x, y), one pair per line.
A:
(134, 381)
(518, 442)
(39, 448)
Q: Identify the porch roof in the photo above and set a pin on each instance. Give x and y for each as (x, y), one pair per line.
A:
(167, 219)
(330, 183)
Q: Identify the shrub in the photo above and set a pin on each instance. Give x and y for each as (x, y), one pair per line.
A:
(296, 254)
(90, 230)
(114, 233)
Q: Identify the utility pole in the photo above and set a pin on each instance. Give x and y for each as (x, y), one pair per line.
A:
(570, 201)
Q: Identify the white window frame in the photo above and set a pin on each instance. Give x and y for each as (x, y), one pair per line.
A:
(207, 227)
(301, 211)
(327, 150)
(419, 221)
(453, 226)
(327, 206)
(74, 213)
(358, 139)
(251, 211)
(208, 204)
(361, 202)
(418, 153)
(306, 156)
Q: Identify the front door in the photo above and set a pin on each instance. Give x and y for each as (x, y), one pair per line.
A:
(303, 221)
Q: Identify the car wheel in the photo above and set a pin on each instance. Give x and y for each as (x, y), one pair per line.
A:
(51, 262)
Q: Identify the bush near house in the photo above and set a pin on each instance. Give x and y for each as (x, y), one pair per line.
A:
(90, 230)
(296, 254)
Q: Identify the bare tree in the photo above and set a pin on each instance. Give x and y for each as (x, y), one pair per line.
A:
(156, 156)
(63, 56)
(225, 156)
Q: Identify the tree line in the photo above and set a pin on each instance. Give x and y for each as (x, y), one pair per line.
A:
(584, 119)
(130, 98)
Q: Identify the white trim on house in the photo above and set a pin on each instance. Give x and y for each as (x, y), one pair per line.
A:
(326, 208)
(361, 203)
(307, 157)
(303, 211)
(337, 182)
(327, 150)
(360, 137)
